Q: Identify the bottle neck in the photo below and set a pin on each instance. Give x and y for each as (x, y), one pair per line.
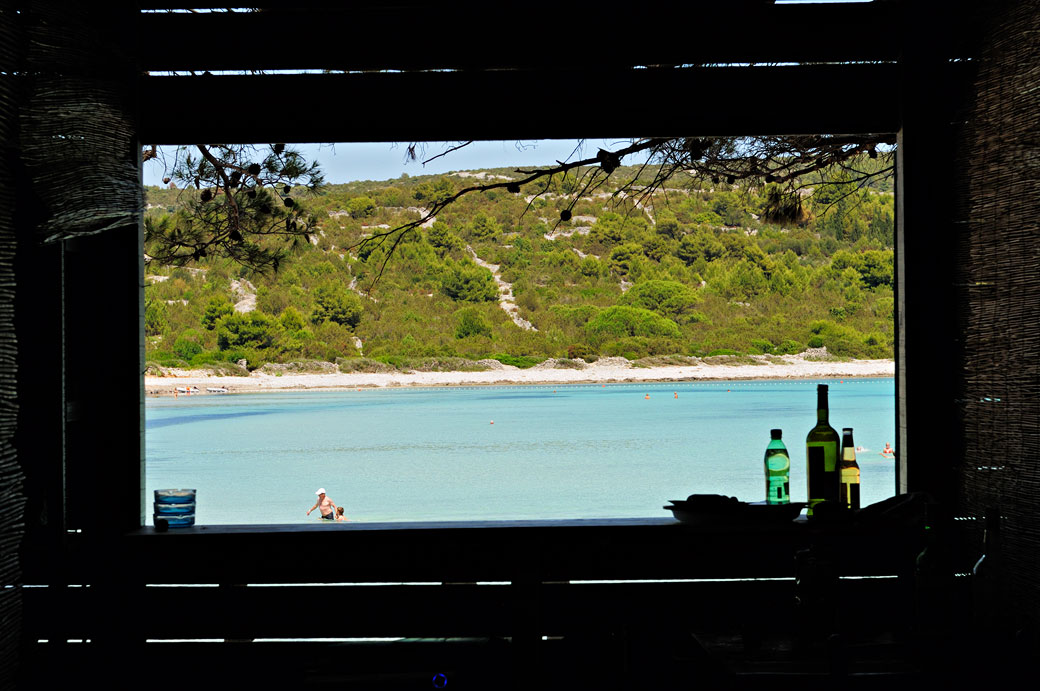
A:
(821, 408)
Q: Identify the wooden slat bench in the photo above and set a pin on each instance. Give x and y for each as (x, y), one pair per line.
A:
(619, 602)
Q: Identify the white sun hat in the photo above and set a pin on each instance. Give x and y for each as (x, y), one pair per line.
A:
(321, 491)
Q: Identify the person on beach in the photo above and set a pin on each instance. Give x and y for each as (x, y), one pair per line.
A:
(325, 505)
(339, 514)
(888, 450)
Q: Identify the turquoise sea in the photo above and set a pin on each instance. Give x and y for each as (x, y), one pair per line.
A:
(573, 451)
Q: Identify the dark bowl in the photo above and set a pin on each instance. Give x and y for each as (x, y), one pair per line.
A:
(739, 514)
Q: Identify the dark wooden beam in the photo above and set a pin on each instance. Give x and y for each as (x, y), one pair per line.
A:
(468, 36)
(449, 106)
(927, 335)
(440, 611)
(499, 551)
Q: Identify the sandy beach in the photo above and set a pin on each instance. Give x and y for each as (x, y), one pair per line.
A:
(605, 370)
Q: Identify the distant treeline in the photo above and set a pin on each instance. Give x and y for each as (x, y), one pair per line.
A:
(694, 270)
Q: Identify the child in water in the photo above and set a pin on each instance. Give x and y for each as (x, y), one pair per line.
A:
(339, 514)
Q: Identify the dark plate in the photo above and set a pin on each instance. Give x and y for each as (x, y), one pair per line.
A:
(738, 514)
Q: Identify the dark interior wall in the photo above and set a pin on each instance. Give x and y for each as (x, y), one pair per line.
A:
(12, 499)
(70, 200)
(996, 193)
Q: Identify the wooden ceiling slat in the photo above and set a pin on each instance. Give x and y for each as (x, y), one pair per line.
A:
(518, 104)
(418, 36)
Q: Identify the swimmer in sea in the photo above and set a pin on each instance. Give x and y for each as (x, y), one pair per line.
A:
(339, 514)
(325, 505)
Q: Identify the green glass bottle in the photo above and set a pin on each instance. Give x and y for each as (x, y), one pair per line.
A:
(848, 493)
(821, 453)
(778, 470)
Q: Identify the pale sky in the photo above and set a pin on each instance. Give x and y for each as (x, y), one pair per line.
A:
(386, 160)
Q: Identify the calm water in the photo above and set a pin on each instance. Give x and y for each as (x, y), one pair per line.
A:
(579, 451)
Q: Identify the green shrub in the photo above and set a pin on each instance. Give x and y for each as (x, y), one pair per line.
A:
(155, 319)
(291, 320)
(760, 346)
(484, 227)
(300, 367)
(219, 358)
(667, 298)
(187, 344)
(334, 303)
(361, 207)
(845, 341)
(166, 358)
(465, 281)
(253, 330)
(362, 364)
(158, 355)
(788, 347)
(398, 362)
(625, 259)
(620, 321)
(443, 364)
(731, 360)
(575, 316)
(216, 309)
(708, 218)
(569, 363)
(441, 236)
(470, 321)
(208, 356)
(225, 369)
(665, 361)
(631, 348)
(591, 267)
(583, 351)
(521, 361)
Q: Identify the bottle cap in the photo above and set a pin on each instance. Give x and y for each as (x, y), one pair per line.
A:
(821, 387)
(846, 430)
(775, 433)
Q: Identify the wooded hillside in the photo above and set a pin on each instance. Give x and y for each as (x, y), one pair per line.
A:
(693, 270)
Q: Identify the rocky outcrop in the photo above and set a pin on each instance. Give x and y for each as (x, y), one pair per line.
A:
(505, 293)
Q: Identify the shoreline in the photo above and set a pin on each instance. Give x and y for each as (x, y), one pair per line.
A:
(604, 371)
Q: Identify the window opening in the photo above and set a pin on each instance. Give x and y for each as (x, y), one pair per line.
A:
(560, 350)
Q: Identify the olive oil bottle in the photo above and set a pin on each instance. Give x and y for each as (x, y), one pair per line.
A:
(821, 453)
(848, 493)
(778, 470)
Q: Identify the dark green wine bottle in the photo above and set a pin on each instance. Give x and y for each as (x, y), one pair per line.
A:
(849, 471)
(821, 452)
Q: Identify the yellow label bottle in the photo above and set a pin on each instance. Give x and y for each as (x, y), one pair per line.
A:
(848, 493)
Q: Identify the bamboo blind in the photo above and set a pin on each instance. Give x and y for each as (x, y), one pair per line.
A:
(997, 210)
